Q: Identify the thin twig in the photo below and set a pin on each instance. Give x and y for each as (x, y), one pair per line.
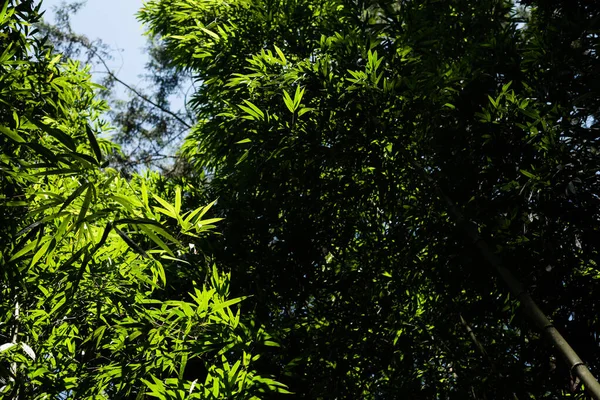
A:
(140, 95)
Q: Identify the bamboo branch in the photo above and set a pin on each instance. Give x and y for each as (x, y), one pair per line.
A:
(477, 343)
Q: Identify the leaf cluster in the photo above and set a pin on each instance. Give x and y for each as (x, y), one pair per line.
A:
(328, 127)
(88, 258)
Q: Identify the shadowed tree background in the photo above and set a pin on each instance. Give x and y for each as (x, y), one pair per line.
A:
(323, 125)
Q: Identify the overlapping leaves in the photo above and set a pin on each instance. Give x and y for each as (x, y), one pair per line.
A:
(86, 256)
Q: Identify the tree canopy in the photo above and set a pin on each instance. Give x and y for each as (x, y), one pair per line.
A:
(88, 258)
(401, 189)
(330, 128)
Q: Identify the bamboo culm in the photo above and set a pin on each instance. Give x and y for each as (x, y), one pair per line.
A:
(539, 319)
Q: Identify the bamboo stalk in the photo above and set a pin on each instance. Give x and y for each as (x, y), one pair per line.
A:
(574, 362)
(576, 365)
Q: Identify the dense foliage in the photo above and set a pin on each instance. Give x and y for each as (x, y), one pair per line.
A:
(370, 160)
(333, 130)
(89, 260)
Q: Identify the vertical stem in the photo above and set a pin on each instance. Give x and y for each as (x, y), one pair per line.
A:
(481, 349)
(575, 364)
(539, 319)
(477, 344)
(15, 339)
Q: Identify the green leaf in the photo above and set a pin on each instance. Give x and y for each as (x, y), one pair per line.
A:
(215, 388)
(210, 33)
(57, 171)
(506, 87)
(26, 249)
(156, 227)
(59, 304)
(43, 250)
(134, 246)
(228, 303)
(54, 60)
(253, 110)
(177, 200)
(209, 221)
(73, 196)
(44, 152)
(89, 194)
(148, 230)
(288, 101)
(160, 271)
(74, 257)
(130, 203)
(298, 96)
(3, 14)
(179, 260)
(243, 157)
(157, 388)
(528, 174)
(62, 137)
(281, 55)
(12, 134)
(168, 209)
(494, 102)
(192, 216)
(304, 110)
(144, 191)
(93, 142)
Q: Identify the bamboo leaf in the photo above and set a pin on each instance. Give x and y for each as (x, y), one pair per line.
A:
(228, 303)
(177, 200)
(281, 55)
(168, 210)
(199, 211)
(59, 135)
(28, 350)
(94, 143)
(7, 346)
(210, 33)
(528, 174)
(3, 14)
(131, 243)
(304, 110)
(288, 101)
(145, 195)
(148, 230)
(58, 305)
(251, 113)
(42, 251)
(26, 249)
(257, 110)
(12, 134)
(73, 196)
(54, 60)
(86, 203)
(298, 96)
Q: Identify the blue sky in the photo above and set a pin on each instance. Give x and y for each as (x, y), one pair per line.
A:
(115, 23)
